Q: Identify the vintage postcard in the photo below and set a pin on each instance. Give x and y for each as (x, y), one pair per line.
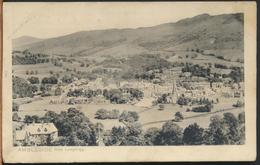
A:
(129, 82)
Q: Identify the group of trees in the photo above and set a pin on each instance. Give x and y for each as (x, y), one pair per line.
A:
(129, 116)
(204, 108)
(145, 75)
(182, 100)
(22, 88)
(114, 95)
(15, 107)
(237, 74)
(239, 103)
(26, 57)
(227, 130)
(28, 88)
(106, 114)
(195, 50)
(31, 72)
(125, 116)
(196, 70)
(33, 80)
(56, 62)
(163, 99)
(221, 66)
(50, 80)
(67, 79)
(74, 128)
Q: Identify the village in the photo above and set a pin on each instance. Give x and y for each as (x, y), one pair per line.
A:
(142, 86)
(46, 133)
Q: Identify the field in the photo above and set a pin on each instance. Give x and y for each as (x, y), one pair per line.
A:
(147, 115)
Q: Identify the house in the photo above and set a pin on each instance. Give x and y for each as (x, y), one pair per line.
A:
(36, 134)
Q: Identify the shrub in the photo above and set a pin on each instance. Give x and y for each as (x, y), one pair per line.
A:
(106, 114)
(49, 80)
(193, 135)
(15, 117)
(129, 116)
(178, 116)
(183, 100)
(206, 108)
(170, 134)
(238, 104)
(15, 107)
(33, 80)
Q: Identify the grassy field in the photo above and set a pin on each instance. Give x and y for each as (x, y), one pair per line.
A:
(146, 115)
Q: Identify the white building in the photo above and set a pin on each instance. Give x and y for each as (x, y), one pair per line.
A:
(36, 134)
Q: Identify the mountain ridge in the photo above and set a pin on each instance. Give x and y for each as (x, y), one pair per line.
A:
(203, 31)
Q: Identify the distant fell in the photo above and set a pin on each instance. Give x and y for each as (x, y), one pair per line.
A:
(203, 32)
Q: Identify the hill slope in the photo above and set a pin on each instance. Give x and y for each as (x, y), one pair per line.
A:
(204, 32)
(24, 40)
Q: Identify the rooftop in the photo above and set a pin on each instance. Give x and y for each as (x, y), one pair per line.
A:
(40, 128)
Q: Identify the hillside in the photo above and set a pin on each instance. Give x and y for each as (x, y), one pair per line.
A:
(203, 32)
(24, 40)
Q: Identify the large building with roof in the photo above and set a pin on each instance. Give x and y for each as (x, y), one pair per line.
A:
(36, 134)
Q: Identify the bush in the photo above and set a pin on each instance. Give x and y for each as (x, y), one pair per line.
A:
(15, 107)
(129, 116)
(22, 88)
(179, 116)
(151, 136)
(106, 114)
(170, 134)
(221, 66)
(49, 80)
(67, 79)
(33, 80)
(183, 100)
(206, 108)
(15, 117)
(238, 104)
(193, 135)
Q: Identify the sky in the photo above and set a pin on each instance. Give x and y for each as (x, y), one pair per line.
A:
(47, 20)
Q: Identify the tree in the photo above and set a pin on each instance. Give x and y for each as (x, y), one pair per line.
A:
(129, 116)
(241, 117)
(67, 79)
(28, 119)
(101, 114)
(21, 87)
(178, 116)
(171, 134)
(233, 128)
(49, 80)
(116, 136)
(15, 117)
(74, 126)
(193, 135)
(151, 136)
(15, 107)
(216, 134)
(33, 80)
(238, 104)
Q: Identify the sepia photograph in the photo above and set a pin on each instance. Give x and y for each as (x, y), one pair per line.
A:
(137, 75)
